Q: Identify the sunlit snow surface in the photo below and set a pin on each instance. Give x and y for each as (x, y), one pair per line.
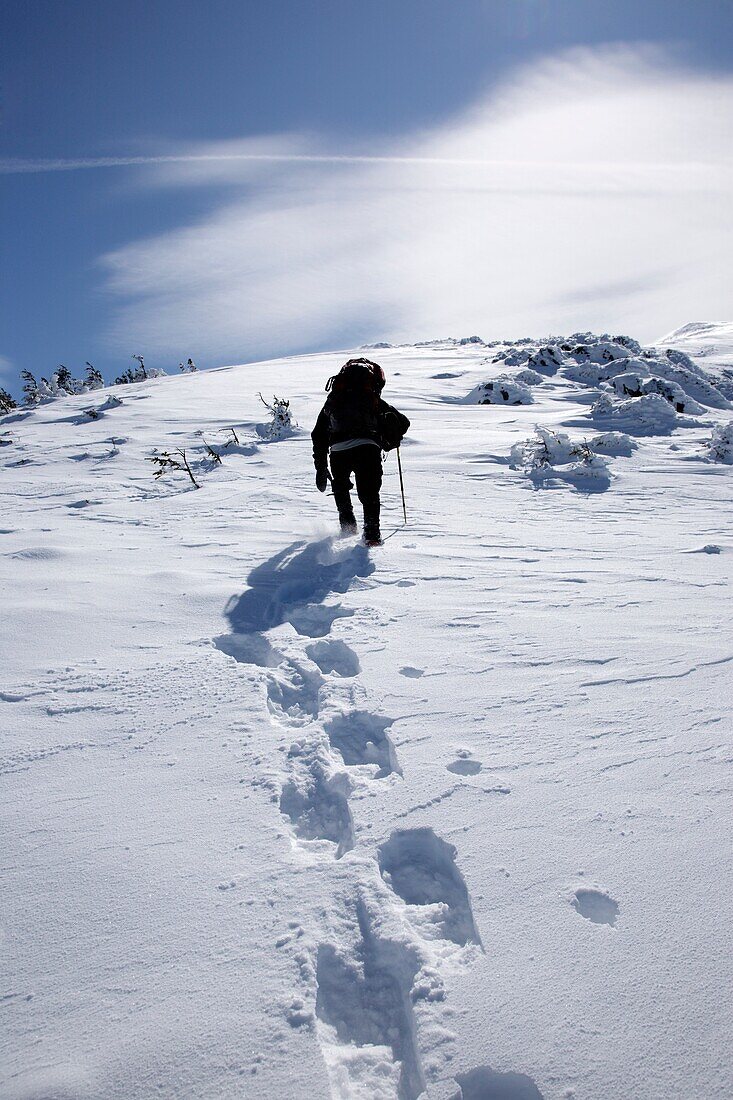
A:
(286, 817)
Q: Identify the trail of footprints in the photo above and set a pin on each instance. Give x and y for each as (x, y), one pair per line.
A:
(390, 913)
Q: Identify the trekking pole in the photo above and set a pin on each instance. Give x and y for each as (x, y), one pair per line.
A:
(402, 485)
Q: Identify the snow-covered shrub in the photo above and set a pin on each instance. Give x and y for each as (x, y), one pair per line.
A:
(7, 403)
(501, 391)
(650, 414)
(189, 367)
(281, 424)
(550, 455)
(720, 445)
(545, 448)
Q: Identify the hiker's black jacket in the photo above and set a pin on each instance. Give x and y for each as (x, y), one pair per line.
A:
(351, 418)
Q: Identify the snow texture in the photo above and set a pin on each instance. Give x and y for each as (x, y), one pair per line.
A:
(286, 817)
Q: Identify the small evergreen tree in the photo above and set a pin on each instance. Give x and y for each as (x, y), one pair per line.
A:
(168, 463)
(30, 388)
(7, 404)
(93, 379)
(126, 377)
(282, 423)
(141, 374)
(64, 382)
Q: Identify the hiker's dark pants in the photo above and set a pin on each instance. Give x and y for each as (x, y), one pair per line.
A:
(365, 463)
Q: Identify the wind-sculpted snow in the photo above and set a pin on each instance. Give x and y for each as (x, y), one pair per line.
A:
(650, 414)
(424, 820)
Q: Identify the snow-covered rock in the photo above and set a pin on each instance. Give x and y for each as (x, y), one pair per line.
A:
(501, 390)
(636, 384)
(529, 377)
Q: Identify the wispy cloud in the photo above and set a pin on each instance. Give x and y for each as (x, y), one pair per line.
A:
(592, 190)
(7, 370)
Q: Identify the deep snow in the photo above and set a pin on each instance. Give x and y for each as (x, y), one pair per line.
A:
(285, 817)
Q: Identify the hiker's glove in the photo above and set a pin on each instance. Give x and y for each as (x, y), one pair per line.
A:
(321, 480)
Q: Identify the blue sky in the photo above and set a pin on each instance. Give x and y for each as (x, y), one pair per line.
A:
(229, 259)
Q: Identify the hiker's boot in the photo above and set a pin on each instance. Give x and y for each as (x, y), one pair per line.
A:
(348, 523)
(372, 535)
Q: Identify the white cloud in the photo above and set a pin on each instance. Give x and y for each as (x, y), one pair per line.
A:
(593, 190)
(7, 370)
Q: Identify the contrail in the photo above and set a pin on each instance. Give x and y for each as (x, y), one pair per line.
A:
(18, 166)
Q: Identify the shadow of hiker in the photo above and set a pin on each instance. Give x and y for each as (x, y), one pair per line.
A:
(290, 587)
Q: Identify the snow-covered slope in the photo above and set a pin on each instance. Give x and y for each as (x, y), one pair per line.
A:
(285, 817)
(708, 338)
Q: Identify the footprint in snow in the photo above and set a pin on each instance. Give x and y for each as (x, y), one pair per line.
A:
(364, 1013)
(484, 1083)
(421, 869)
(464, 767)
(595, 906)
(317, 804)
(334, 656)
(361, 738)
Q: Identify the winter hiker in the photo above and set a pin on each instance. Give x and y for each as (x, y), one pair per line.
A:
(356, 425)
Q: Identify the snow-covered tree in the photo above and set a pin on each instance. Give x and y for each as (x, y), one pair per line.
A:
(7, 404)
(282, 424)
(63, 380)
(142, 372)
(126, 377)
(30, 388)
(189, 367)
(93, 379)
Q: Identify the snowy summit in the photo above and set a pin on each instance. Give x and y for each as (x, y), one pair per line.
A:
(285, 816)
